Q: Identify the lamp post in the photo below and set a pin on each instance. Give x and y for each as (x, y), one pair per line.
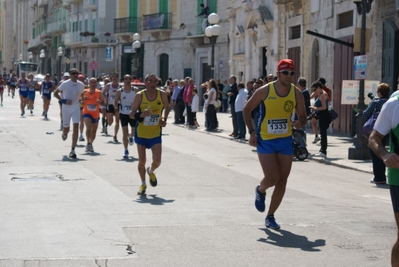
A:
(136, 45)
(359, 150)
(42, 56)
(30, 56)
(20, 57)
(59, 54)
(213, 31)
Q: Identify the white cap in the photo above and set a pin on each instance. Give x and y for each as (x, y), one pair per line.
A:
(66, 74)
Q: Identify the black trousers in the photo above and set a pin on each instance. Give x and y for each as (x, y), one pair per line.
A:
(176, 109)
(182, 119)
(234, 119)
(190, 117)
(324, 123)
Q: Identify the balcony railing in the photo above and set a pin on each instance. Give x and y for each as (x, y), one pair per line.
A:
(90, 4)
(157, 21)
(35, 41)
(99, 38)
(56, 27)
(72, 38)
(126, 25)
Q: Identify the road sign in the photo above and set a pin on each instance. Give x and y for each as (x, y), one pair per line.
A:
(350, 91)
(360, 67)
(67, 61)
(93, 65)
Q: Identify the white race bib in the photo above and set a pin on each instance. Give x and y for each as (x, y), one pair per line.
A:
(127, 108)
(277, 126)
(92, 107)
(46, 91)
(151, 120)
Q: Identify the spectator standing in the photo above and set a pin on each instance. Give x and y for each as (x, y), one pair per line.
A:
(321, 107)
(210, 107)
(383, 91)
(176, 91)
(188, 96)
(195, 108)
(55, 80)
(225, 97)
(204, 13)
(301, 84)
(232, 93)
(239, 105)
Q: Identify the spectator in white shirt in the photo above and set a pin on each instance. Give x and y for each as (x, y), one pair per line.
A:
(195, 108)
(239, 105)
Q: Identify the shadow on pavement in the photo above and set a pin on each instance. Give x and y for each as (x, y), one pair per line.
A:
(130, 159)
(154, 200)
(287, 239)
(66, 158)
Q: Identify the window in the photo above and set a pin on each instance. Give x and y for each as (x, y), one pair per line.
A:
(345, 20)
(94, 25)
(86, 25)
(295, 32)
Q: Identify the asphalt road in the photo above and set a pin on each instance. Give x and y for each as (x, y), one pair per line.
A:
(85, 212)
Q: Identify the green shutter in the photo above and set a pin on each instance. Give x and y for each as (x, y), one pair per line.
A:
(55, 44)
(133, 6)
(212, 6)
(86, 25)
(163, 6)
(94, 25)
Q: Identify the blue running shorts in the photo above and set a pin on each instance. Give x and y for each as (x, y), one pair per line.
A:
(273, 146)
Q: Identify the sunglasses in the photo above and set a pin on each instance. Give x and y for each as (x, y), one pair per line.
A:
(286, 72)
(73, 73)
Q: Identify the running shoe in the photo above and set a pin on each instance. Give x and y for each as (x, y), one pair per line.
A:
(142, 189)
(115, 139)
(81, 138)
(270, 222)
(91, 148)
(87, 148)
(260, 200)
(61, 127)
(31, 112)
(126, 154)
(153, 178)
(102, 131)
(45, 117)
(106, 131)
(72, 154)
(320, 155)
(64, 137)
(316, 139)
(131, 142)
(43, 113)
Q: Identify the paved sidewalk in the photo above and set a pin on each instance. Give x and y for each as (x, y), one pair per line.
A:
(337, 151)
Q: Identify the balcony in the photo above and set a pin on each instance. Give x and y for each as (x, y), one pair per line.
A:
(99, 39)
(42, 3)
(35, 42)
(157, 22)
(283, 2)
(90, 4)
(56, 27)
(126, 26)
(73, 38)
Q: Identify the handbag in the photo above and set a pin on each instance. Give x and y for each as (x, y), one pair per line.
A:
(333, 114)
(217, 103)
(369, 125)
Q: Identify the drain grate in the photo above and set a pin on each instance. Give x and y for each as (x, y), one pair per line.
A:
(36, 177)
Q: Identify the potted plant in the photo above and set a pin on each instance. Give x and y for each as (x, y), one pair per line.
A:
(94, 39)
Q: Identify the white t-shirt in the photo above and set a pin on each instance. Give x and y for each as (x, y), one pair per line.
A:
(241, 99)
(195, 103)
(394, 94)
(388, 118)
(212, 101)
(71, 91)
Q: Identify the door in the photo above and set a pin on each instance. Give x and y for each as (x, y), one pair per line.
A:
(294, 53)
(343, 70)
(389, 54)
(164, 67)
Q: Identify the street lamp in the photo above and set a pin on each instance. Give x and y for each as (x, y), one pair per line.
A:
(20, 57)
(359, 150)
(42, 56)
(59, 54)
(30, 56)
(213, 31)
(136, 45)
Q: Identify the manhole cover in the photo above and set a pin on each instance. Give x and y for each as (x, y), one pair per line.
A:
(36, 177)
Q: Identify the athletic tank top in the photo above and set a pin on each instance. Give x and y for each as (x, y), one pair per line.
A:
(126, 101)
(150, 127)
(46, 87)
(31, 86)
(275, 114)
(23, 85)
(111, 93)
(91, 105)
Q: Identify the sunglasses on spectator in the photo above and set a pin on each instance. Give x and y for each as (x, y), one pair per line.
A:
(286, 72)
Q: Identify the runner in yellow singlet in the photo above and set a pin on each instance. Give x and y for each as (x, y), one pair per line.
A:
(273, 134)
(150, 104)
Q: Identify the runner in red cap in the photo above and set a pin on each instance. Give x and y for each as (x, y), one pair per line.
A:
(273, 134)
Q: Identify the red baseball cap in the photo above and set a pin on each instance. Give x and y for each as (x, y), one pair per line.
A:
(285, 64)
(81, 76)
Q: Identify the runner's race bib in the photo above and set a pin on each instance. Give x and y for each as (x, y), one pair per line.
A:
(127, 108)
(91, 107)
(277, 126)
(151, 120)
